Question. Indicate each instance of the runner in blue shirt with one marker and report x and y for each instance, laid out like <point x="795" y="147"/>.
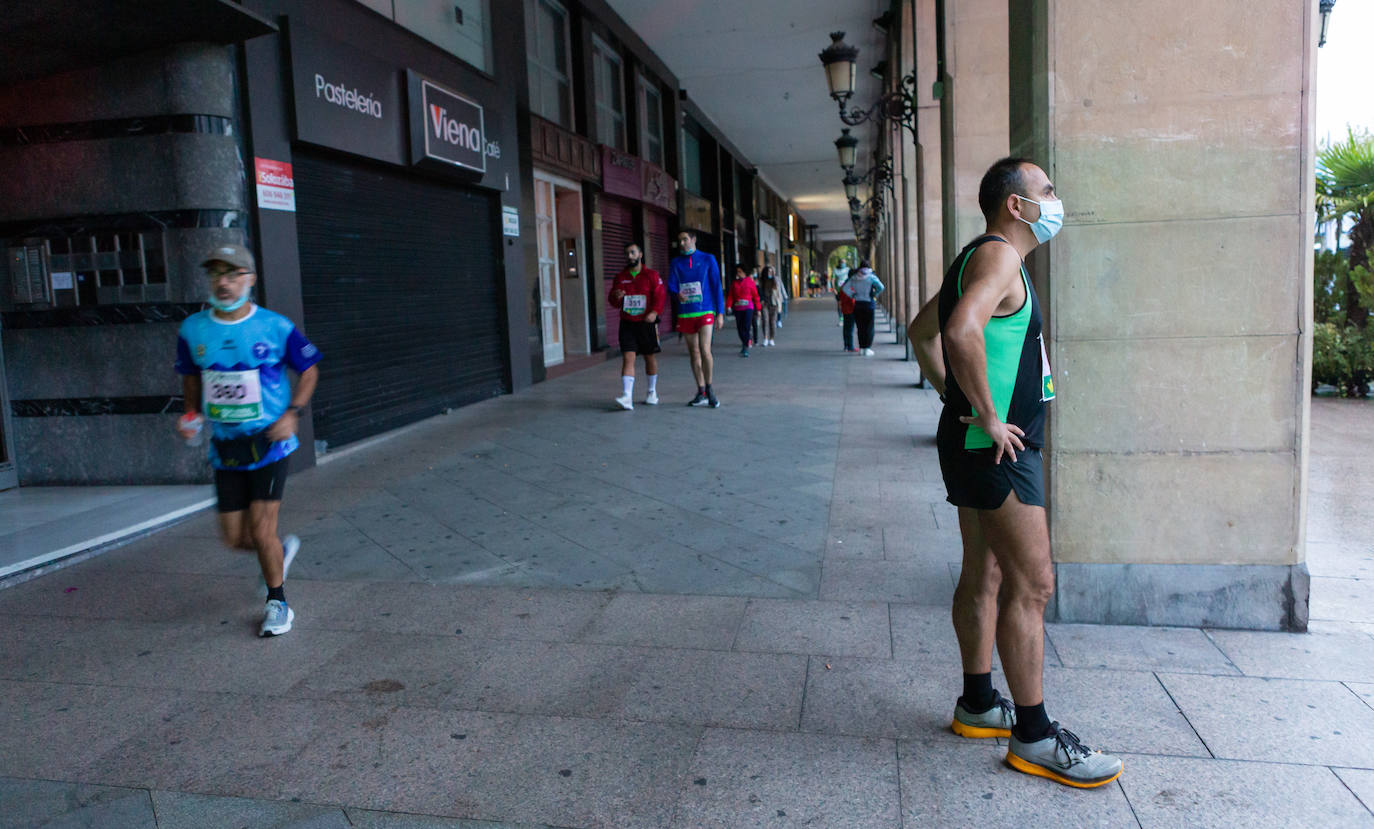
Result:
<point x="232" y="360"/>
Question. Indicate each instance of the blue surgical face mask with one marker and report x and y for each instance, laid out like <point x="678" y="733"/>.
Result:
<point x="231" y="306"/>
<point x="1050" y="221"/>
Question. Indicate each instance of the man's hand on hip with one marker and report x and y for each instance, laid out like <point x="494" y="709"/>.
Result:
<point x="1006" y="437"/>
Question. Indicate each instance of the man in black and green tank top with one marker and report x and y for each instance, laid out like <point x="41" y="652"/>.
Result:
<point x="979" y="342"/>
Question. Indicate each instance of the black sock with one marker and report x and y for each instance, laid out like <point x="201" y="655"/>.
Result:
<point x="701" y="389"/>
<point x="1032" y="723"/>
<point x="708" y="388"/>
<point x="278" y="593"/>
<point x="978" y="694"/>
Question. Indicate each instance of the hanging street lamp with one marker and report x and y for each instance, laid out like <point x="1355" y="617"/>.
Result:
<point x="840" y="60"/>
<point x="848" y="148"/>
<point x="1326" y="7"/>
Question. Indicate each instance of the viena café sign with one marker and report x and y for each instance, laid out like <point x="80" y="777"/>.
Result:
<point x="446" y="128"/>
<point x="349" y="100"/>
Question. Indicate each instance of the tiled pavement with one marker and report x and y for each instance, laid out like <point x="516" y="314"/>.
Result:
<point x="540" y="612"/>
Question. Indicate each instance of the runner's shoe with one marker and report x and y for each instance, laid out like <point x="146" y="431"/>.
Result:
<point x="625" y="403"/>
<point x="652" y="399"/>
<point x="699" y="400"/>
<point x="712" y="401"/>
<point x="997" y="721"/>
<point x="277" y="619"/>
<point x="1062" y="758"/>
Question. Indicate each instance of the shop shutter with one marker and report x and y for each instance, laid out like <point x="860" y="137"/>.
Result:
<point x="617" y="231"/>
<point x="402" y="294"/>
<point x="660" y="256"/>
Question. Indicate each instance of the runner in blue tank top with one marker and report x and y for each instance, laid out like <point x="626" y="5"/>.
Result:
<point x="233" y="360"/>
<point x="979" y="344"/>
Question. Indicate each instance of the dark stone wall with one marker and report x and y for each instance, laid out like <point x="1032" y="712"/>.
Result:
<point x="100" y="182"/>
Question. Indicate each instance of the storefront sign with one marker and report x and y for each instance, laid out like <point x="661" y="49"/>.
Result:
<point x="621" y="174"/>
<point x="510" y="221"/>
<point x="276" y="187"/>
<point x="345" y="98"/>
<point x="660" y="189"/>
<point x="446" y="127"/>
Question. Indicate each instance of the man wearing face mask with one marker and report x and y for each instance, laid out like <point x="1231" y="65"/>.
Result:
<point x="995" y="380"/>
<point x="640" y="295"/>
<point x="699" y="306"/>
<point x="232" y="360"/>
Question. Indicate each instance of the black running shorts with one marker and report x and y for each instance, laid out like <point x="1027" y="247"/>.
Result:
<point x="974" y="481"/>
<point x="237" y="489"/>
<point x="639" y="337"/>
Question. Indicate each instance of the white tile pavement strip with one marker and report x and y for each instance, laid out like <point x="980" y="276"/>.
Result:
<point x="539" y="612"/>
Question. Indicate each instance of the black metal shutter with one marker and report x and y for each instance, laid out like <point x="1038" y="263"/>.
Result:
<point x="402" y="294"/>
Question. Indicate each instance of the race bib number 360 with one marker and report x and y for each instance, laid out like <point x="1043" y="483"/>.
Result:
<point x="232" y="396"/>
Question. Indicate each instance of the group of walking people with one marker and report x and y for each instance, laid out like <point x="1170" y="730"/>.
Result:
<point x="857" y="297"/>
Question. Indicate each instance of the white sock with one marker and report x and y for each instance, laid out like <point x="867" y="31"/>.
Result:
<point x="628" y="383"/>
<point x="653" y="384"/>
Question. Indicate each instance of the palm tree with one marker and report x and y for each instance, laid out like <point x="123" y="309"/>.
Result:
<point x="1345" y="187"/>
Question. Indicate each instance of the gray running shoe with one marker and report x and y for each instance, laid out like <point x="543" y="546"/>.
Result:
<point x="1061" y="757"/>
<point x="277" y="619"/>
<point x="997" y="721"/>
<point x="699" y="400"/>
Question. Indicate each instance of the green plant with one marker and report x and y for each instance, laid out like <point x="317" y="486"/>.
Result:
<point x="1343" y="289"/>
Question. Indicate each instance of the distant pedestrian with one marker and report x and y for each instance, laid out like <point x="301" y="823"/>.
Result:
<point x="743" y="299"/>
<point x="863" y="286"/>
<point x="846" y="305"/>
<point x="771" y="293"/>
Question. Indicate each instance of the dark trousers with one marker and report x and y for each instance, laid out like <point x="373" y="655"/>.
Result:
<point x="744" y="322"/>
<point x="848" y="332"/>
<point x="863" y="319"/>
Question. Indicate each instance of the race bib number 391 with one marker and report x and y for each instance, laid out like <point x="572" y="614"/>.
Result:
<point x="232" y="396"/>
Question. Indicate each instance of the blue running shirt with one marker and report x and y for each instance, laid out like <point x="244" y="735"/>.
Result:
<point x="244" y="385"/>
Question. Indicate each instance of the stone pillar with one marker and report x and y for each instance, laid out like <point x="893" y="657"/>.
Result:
<point x="929" y="197"/>
<point x="1178" y="302"/>
<point x="975" y="96"/>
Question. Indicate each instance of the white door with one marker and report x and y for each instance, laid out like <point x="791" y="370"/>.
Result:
<point x="547" y="234"/>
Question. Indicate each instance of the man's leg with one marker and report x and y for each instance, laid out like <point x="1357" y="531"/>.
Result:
<point x="975" y="597"/>
<point x="694" y="356"/>
<point x="1019" y="537"/>
<point x="262" y="521"/>
<point x="651" y="372"/>
<point x="627" y="364"/>
<point x="704" y="348"/>
<point x="235" y="530"/>
<point x="627" y="379"/>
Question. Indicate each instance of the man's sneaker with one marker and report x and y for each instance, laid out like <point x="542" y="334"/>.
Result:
<point x="868" y="352"/>
<point x="699" y="400"/>
<point x="1062" y="758"/>
<point x="652" y="399"/>
<point x="997" y="721"/>
<point x="712" y="401"/>
<point x="625" y="402"/>
<point x="744" y="352"/>
<point x="277" y="619"/>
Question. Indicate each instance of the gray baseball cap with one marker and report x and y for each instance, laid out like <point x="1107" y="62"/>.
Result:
<point x="235" y="255"/>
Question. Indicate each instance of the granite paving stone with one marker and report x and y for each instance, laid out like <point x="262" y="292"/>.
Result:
<point x="967" y="783"/>
<point x="1321" y="653"/>
<point x="1361" y="784"/>
<point x="47" y="803"/>
<point x="736" y="690"/>
<point x="1284" y="720"/>
<point x="877" y="580"/>
<point x="585" y="773"/>
<point x="1119" y="711"/>
<point x="1363" y="690"/>
<point x="811" y="627"/>
<point x="401" y="669"/>
<point x="1179" y="650"/>
<point x="178" y="810"/>
<point x="1178" y="791"/>
<point x="709" y="622"/>
<point x="882" y="698"/>
<point x="758" y="778"/>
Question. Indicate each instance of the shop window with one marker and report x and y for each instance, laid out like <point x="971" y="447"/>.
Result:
<point x="460" y="27"/>
<point x="691" y="162"/>
<point x="650" y="121"/>
<point x="609" y="82"/>
<point x="547" y="49"/>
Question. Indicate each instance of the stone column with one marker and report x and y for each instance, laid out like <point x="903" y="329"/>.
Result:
<point x="1179" y="136"/>
<point x="976" y="96"/>
<point x="927" y="163"/>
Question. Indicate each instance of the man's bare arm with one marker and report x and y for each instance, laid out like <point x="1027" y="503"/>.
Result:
<point x="924" y="334"/>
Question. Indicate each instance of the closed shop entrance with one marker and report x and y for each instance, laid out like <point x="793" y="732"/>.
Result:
<point x="402" y="293"/>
